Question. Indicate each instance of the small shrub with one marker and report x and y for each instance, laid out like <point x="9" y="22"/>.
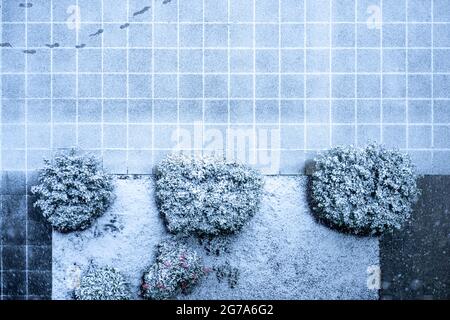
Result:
<point x="215" y="245"/>
<point x="177" y="270"/>
<point x="364" y="191"/>
<point x="102" y="283"/>
<point x="73" y="190"/>
<point x="229" y="273"/>
<point x="206" y="196"/>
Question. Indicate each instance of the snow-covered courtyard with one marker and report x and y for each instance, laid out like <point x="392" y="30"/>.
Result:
<point x="283" y="253"/>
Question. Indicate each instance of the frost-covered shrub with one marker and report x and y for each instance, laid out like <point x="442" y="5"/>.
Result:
<point x="206" y="195"/>
<point x="364" y="191"/>
<point x="177" y="270"/>
<point x="73" y="190"/>
<point x="102" y="283"/>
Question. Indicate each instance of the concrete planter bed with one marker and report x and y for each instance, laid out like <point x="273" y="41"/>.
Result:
<point x="256" y="234"/>
<point x="283" y="253"/>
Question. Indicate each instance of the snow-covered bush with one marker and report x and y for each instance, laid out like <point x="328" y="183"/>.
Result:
<point x="206" y="195"/>
<point x="102" y="283"/>
<point x="73" y="190"/>
<point x="177" y="270"/>
<point x="364" y="191"/>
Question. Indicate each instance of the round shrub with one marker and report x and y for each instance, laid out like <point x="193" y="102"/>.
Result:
<point x="206" y="195"/>
<point x="73" y="190"/>
<point x="102" y="283"/>
<point x="364" y="191"/>
<point x="177" y="270"/>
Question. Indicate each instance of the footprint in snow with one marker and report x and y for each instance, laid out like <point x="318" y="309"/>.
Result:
<point x="51" y="46"/>
<point x="99" y="31"/>
<point x="25" y="5"/>
<point x="142" y="11"/>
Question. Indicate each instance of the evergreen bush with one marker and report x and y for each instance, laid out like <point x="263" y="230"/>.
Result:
<point x="73" y="190"/>
<point x="364" y="191"/>
<point x="206" y="195"/>
<point x="102" y="283"/>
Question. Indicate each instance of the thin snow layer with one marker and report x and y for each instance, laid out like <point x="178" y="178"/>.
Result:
<point x="124" y="238"/>
<point x="283" y="253"/>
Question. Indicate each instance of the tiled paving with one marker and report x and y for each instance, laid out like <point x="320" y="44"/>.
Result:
<point x="270" y="81"/>
<point x="290" y="76"/>
<point x="415" y="261"/>
<point x="25" y="242"/>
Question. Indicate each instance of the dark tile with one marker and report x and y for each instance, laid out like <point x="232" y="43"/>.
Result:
<point x="40" y="258"/>
<point x="44" y="297"/>
<point x="14" y="207"/>
<point x="1" y="218"/>
<point x="13" y="182"/>
<point x="414" y="260"/>
<point x="441" y="193"/>
<point x="32" y="180"/>
<point x="40" y="283"/>
<point x="14" y="258"/>
<point x="13" y="231"/>
<point x="34" y="214"/>
<point x="14" y="283"/>
<point x="426" y="196"/>
<point x="13" y="298"/>
<point x="39" y="233"/>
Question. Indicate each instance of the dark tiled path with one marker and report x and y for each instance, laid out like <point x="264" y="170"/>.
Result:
<point x="25" y="244"/>
<point x="415" y="262"/>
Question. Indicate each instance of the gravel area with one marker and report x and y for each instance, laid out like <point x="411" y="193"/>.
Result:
<point x="283" y="253"/>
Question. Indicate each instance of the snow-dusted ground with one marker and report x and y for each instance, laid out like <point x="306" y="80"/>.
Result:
<point x="283" y="253"/>
<point x="124" y="237"/>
